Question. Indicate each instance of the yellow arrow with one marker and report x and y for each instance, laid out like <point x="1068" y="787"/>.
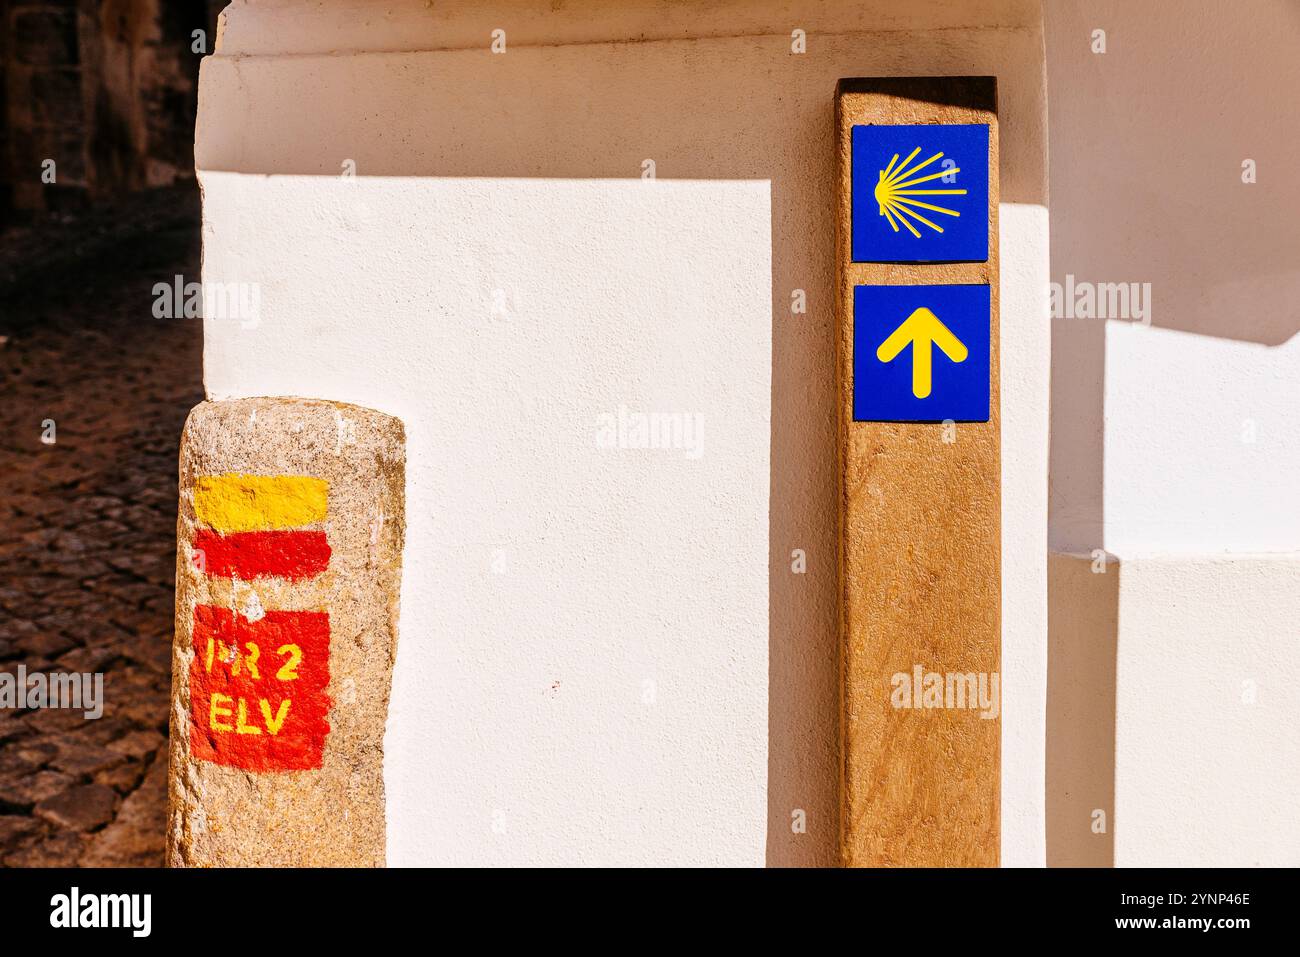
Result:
<point x="921" y="329"/>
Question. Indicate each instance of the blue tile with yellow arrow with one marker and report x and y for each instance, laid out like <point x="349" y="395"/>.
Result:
<point x="921" y="353"/>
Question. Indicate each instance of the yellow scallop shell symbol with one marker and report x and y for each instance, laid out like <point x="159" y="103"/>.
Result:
<point x="893" y="193"/>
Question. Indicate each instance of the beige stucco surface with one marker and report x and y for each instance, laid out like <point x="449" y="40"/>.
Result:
<point x="1173" y="435"/>
<point x="1171" y="712"/>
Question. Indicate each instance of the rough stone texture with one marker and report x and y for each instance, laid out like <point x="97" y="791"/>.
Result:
<point x="15" y="828"/>
<point x="61" y="849"/>
<point x="137" y="836"/>
<point x="87" y="525"/>
<point x="83" y="808"/>
<point x="27" y="788"/>
<point x="331" y="815"/>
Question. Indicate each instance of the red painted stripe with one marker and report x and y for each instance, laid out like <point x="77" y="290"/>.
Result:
<point x="257" y="689"/>
<point x="247" y="555"/>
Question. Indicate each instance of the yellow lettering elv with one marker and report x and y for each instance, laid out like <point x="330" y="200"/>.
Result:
<point x="274" y="725"/>
<point x="242" y="726"/>
<point x="219" y="710"/>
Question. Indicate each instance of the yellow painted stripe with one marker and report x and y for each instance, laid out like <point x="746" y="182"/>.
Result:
<point x="250" y="503"/>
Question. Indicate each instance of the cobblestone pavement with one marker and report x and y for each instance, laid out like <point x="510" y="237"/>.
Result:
<point x="87" y="524"/>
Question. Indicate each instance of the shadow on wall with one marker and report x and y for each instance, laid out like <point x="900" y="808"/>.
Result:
<point x="1153" y="145"/>
<point x="1150" y="143"/>
<point x="1082" y="631"/>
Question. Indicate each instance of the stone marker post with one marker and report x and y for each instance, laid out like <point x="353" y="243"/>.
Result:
<point x="289" y="551"/>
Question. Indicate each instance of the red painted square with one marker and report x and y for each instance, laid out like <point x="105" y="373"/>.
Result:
<point x="257" y="689"/>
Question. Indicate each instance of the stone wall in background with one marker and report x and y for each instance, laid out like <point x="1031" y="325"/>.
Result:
<point x="106" y="89"/>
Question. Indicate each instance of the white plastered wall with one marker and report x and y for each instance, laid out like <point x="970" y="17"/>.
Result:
<point x="1176" y="441"/>
<point x="497" y="274"/>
